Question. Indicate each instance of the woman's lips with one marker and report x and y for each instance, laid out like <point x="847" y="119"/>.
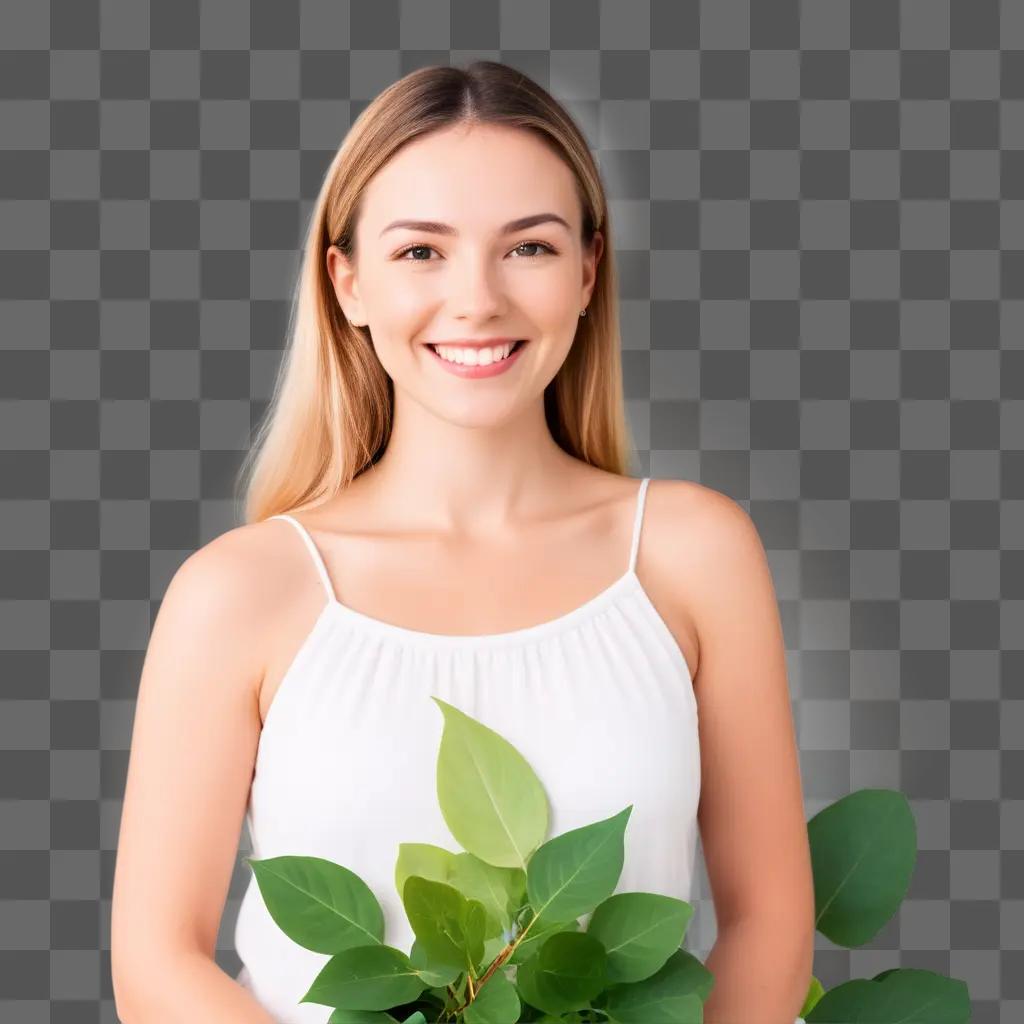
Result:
<point x="478" y="371"/>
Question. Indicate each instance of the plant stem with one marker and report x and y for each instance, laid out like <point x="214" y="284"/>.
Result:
<point x="500" y="959"/>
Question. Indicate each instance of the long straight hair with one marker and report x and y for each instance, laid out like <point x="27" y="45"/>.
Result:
<point x="330" y="414"/>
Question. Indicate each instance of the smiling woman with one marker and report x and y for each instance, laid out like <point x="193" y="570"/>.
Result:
<point x="438" y="506"/>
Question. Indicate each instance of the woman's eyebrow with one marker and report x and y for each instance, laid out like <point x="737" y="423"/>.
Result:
<point x="434" y="227"/>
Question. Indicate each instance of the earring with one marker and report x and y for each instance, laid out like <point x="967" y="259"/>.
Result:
<point x="583" y="312"/>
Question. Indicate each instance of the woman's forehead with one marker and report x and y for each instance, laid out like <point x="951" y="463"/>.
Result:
<point x="472" y="182"/>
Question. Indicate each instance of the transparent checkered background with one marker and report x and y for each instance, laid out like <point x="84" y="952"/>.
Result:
<point x="820" y="230"/>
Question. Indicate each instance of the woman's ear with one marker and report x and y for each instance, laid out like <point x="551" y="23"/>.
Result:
<point x="591" y="258"/>
<point x="342" y="272"/>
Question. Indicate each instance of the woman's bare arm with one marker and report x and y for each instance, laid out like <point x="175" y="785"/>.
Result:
<point x="193" y="747"/>
<point x="751" y="815"/>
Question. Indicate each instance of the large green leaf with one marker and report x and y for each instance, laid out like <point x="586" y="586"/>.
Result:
<point x="903" y="995"/>
<point x="319" y="904"/>
<point x="490" y="797"/>
<point x="573" y="872"/>
<point x="673" y="995"/>
<point x="495" y="1003"/>
<point x="863" y="849"/>
<point x="567" y="972"/>
<point x="366" y="978"/>
<point x="639" y="931"/>
<point x="449" y="928"/>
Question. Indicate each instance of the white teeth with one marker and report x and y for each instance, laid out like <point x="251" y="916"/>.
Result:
<point x="474" y="356"/>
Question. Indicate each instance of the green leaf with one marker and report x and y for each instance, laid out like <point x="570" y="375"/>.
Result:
<point x="360" y="1017"/>
<point x="814" y="992"/>
<point x="567" y="972"/>
<point x="366" y="978"/>
<point x="904" y="996"/>
<point x="538" y="935"/>
<point x="673" y="995"/>
<point x="495" y="1003"/>
<point x="863" y="849"/>
<point x="448" y="926"/>
<point x="639" y="931"/>
<point x="490" y="798"/>
<point x="573" y="872"/>
<point x="475" y="924"/>
<point x="423" y="859"/>
<point x="319" y="904"/>
<point x="500" y="890"/>
<point x="437" y="976"/>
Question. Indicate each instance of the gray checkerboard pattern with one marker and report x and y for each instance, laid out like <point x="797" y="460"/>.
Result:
<point x="820" y="216"/>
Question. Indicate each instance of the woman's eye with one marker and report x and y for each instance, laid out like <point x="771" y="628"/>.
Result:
<point x="429" y="248"/>
<point x="535" y="245"/>
<point x="413" y="248"/>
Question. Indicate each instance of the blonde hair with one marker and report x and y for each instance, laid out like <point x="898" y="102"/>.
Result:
<point x="330" y="414"/>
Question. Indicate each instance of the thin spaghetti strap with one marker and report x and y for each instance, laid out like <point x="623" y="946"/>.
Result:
<point x="317" y="559"/>
<point x="638" y="522"/>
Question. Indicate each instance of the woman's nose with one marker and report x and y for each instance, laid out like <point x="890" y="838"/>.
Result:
<point x="477" y="287"/>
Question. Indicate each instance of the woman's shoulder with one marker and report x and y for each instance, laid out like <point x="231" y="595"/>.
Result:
<point x="698" y="531"/>
<point x="690" y="526"/>
<point x="704" y="539"/>
<point x="238" y="561"/>
<point x="686" y="502"/>
<point x="240" y="579"/>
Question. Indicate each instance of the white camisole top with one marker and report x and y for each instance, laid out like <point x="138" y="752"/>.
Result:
<point x="599" y="701"/>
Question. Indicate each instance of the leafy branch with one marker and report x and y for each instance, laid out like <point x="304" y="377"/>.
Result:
<point x="628" y="964"/>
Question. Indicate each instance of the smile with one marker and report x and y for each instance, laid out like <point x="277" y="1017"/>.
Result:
<point x="472" y="369"/>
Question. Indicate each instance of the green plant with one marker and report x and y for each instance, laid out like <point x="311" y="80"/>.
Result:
<point x="498" y="939"/>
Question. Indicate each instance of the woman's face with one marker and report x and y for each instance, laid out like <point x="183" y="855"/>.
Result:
<point x="474" y="279"/>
